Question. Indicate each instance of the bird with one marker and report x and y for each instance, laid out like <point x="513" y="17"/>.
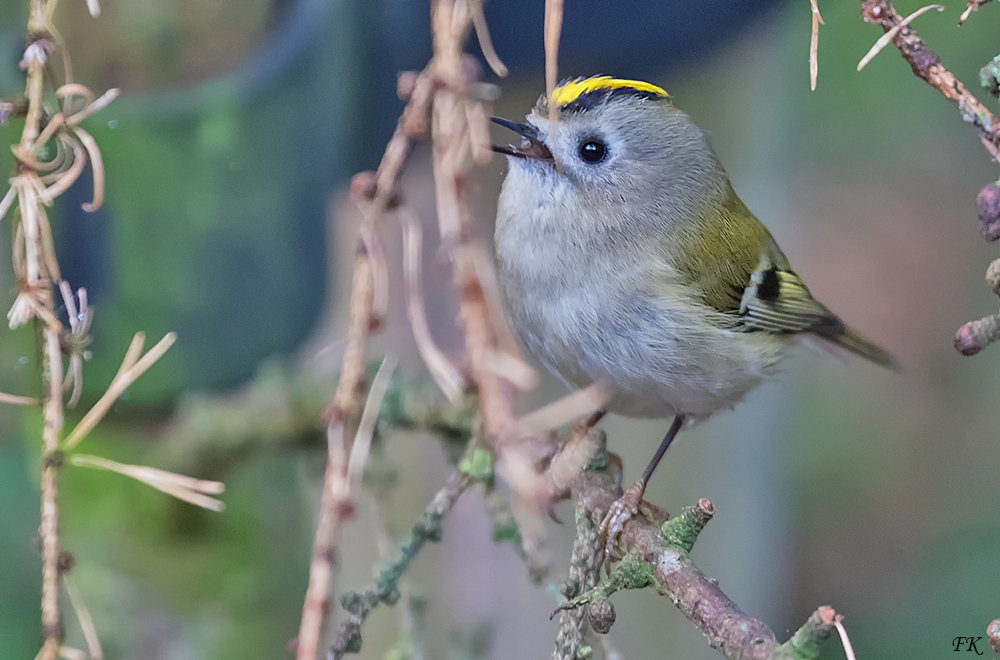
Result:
<point x="626" y="257"/>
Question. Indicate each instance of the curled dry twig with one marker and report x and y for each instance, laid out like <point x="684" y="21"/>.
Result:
<point x="36" y="184"/>
<point x="444" y="373"/>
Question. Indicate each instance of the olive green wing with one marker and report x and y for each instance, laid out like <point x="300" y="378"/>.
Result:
<point x="750" y="279"/>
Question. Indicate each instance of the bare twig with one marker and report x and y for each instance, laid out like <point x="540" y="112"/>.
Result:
<point x="374" y="194"/>
<point x="86" y="622"/>
<point x="17" y="399"/>
<point x="336" y="485"/>
<point x="927" y="66"/>
<point x="817" y="20"/>
<point x="445" y="374"/>
<point x="366" y="427"/>
<point x="189" y="489"/>
<point x="891" y="34"/>
<point x="571" y="407"/>
<point x="844" y="639"/>
<point x="553" y="29"/>
<point x="485" y="43"/>
<point x="132" y="367"/>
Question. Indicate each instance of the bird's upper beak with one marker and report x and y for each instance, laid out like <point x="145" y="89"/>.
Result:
<point x="531" y="147"/>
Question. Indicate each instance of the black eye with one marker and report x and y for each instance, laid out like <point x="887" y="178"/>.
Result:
<point x="593" y="151"/>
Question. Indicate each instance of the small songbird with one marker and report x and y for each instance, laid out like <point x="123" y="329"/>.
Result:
<point x="626" y="257"/>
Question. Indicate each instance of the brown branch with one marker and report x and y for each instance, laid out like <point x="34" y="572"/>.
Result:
<point x="927" y="66"/>
<point x="52" y="403"/>
<point x="657" y="556"/>
<point x="453" y="105"/>
<point x="974" y="336"/>
<point x="374" y="193"/>
<point x="336" y="485"/>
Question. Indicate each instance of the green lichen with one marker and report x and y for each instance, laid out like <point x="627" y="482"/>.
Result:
<point x="682" y="531"/>
<point x="988" y="76"/>
<point x="632" y="572"/>
<point x="478" y="464"/>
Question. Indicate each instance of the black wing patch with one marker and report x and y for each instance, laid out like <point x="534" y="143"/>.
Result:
<point x="778" y="301"/>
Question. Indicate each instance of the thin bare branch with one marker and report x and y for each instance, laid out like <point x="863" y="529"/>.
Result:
<point x="844" y="639"/>
<point x="445" y="374"/>
<point x="512" y="368"/>
<point x="96" y="166"/>
<point x="817" y="20"/>
<point x="83" y="616"/>
<point x="130" y="370"/>
<point x="553" y="29"/>
<point x="567" y="409"/>
<point x="18" y="400"/>
<point x="366" y="427"/>
<point x="8" y="200"/>
<point x="189" y="489"/>
<point x="884" y="40"/>
<point x="485" y="43"/>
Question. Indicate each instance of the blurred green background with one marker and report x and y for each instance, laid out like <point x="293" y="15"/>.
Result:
<point x="227" y="159"/>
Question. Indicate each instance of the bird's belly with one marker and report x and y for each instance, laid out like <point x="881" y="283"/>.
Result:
<point x="660" y="358"/>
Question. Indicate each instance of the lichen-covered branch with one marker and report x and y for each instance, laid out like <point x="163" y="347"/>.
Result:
<point x="386" y="587"/>
<point x="658" y="556"/>
<point x="584" y="574"/>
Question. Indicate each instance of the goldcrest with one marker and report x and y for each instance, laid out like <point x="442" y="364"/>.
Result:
<point x="626" y="257"/>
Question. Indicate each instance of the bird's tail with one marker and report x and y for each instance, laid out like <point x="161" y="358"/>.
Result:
<point x="849" y="339"/>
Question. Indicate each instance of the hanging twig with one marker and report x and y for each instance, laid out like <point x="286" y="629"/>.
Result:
<point x="817" y="20"/>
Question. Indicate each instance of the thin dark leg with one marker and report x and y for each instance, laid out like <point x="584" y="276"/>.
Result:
<point x="667" y="439"/>
<point x="628" y="504"/>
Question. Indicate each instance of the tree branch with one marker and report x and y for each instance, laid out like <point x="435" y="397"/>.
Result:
<point x="974" y="336"/>
<point x="927" y="66"/>
<point x="386" y="587"/>
<point x="657" y="556"/>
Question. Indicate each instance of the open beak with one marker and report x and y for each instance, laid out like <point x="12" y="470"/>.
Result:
<point x="531" y="147"/>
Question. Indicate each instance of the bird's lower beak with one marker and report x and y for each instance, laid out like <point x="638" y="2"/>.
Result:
<point x="531" y="147"/>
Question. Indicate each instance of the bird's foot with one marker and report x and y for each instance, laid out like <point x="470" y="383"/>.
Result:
<point x="619" y="513"/>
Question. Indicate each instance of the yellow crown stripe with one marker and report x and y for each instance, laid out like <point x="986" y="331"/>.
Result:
<point x="571" y="91"/>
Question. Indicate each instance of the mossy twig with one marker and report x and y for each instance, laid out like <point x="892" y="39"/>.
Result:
<point x="386" y="587"/>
